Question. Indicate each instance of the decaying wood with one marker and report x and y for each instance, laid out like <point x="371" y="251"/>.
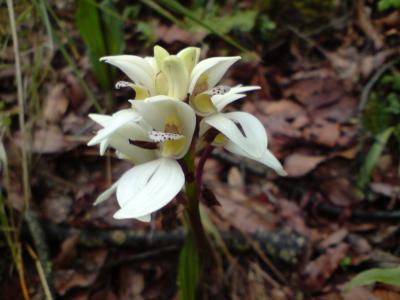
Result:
<point x="281" y="245"/>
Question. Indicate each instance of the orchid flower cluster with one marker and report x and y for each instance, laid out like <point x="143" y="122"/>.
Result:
<point x="178" y="109"/>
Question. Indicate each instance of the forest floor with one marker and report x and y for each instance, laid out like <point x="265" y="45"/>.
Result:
<point x="327" y="103"/>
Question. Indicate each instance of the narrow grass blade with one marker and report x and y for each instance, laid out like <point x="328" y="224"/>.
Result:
<point x="188" y="270"/>
<point x="372" y="157"/>
<point x="389" y="276"/>
<point x="179" y="8"/>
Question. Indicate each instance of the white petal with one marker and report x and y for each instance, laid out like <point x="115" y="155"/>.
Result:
<point x="103" y="146"/>
<point x="118" y="120"/>
<point x="152" y="62"/>
<point x="155" y="110"/>
<point x="214" y="68"/>
<point x="235" y="93"/>
<point x="267" y="158"/>
<point x="106" y="194"/>
<point x="254" y="142"/>
<point x="220" y="101"/>
<point x="145" y="218"/>
<point x="135" y="67"/>
<point x="103" y="120"/>
<point x="148" y="187"/>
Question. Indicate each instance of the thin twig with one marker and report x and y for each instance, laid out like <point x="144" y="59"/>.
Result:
<point x="21" y="106"/>
<point x="20" y="96"/>
<point x="41" y="273"/>
<point x="370" y="84"/>
<point x="34" y="226"/>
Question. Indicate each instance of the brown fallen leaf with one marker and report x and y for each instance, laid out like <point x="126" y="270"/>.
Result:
<point x="65" y="280"/>
<point x="284" y="108"/>
<point x="56" y="103"/>
<point x="49" y="140"/>
<point x="365" y="23"/>
<point x="320" y="269"/>
<point x="130" y="284"/>
<point x="385" y="189"/>
<point x="235" y="178"/>
<point x="323" y="132"/>
<point x="360" y="293"/>
<point x="56" y="206"/>
<point x="386" y="294"/>
<point x="297" y="164"/>
<point x="291" y="215"/>
<point x="239" y="212"/>
<point x="171" y="34"/>
<point x="340" y="191"/>
<point x="68" y="252"/>
<point x="334" y="239"/>
<point x="316" y="92"/>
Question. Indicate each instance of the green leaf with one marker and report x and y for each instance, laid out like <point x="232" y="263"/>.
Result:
<point x="113" y="29"/>
<point x="181" y="9"/>
<point x="241" y="20"/>
<point x="372" y="157"/>
<point x="102" y="35"/>
<point x="394" y="104"/>
<point x="389" y="276"/>
<point x="388" y="4"/>
<point x="376" y="117"/>
<point x="188" y="270"/>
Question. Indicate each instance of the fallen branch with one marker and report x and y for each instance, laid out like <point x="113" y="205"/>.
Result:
<point x="281" y="245"/>
<point x="333" y="211"/>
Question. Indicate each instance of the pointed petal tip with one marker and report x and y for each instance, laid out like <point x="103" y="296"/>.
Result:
<point x="90" y="143"/>
<point x="281" y="172"/>
<point x="119" y="215"/>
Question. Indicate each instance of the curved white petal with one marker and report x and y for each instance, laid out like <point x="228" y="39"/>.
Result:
<point x="148" y="187"/>
<point x="213" y="68"/>
<point x="267" y="158"/>
<point x="100" y="119"/>
<point x="106" y="194"/>
<point x="145" y="218"/>
<point x="253" y="141"/>
<point x="118" y="120"/>
<point x="136" y="68"/>
<point x="155" y="110"/>
<point x="235" y="93"/>
<point x="152" y="62"/>
<point x="103" y="146"/>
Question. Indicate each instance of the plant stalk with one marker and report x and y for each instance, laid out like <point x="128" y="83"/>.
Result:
<point x="193" y="213"/>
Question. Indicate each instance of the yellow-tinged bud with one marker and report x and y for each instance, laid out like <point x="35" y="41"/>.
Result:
<point x="190" y="57"/>
<point x="177" y="76"/>
<point x="161" y="84"/>
<point x="160" y="54"/>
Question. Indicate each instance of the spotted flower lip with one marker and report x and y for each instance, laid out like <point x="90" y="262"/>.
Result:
<point x="156" y="177"/>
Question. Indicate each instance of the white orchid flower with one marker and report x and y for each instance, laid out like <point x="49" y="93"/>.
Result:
<point x="177" y="76"/>
<point x="239" y="132"/>
<point x="167" y="126"/>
